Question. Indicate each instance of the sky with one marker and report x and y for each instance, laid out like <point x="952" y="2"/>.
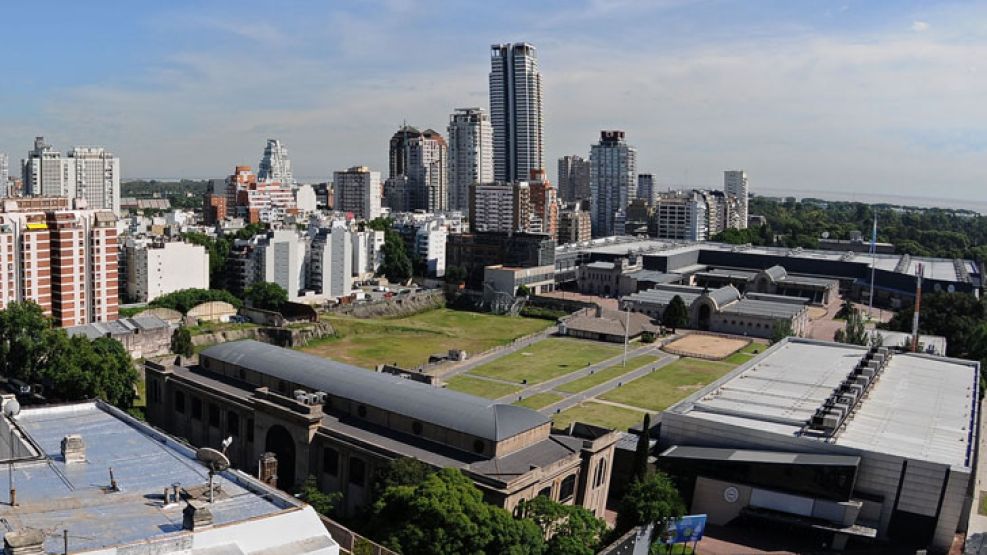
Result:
<point x="845" y="96"/>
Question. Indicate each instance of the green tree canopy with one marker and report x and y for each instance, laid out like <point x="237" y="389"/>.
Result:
<point x="853" y="332"/>
<point x="455" y="275"/>
<point x="780" y="330"/>
<point x="266" y="295"/>
<point x="676" y="314"/>
<point x="181" y="342"/>
<point x="25" y="340"/>
<point x="445" y="515"/>
<point x="653" y="500"/>
<point x="571" y="529"/>
<point x="642" y="451"/>
<point x="184" y="300"/>
<point x="402" y="471"/>
<point x="323" y="503"/>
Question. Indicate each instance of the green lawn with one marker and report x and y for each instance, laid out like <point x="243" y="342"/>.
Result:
<point x="754" y="348"/>
<point x="669" y="384"/>
<point x="539" y="400"/>
<point x="481" y="388"/>
<point x="982" y="509"/>
<point x="547" y="359"/>
<point x="409" y="341"/>
<point x="599" y="414"/>
<point x="737" y="358"/>
<point x="605" y="375"/>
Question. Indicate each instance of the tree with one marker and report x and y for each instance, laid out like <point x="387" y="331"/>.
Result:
<point x="323" y="503"/>
<point x="445" y="514"/>
<point x="570" y="529"/>
<point x="780" y="330"/>
<point x="653" y="500"/>
<point x="402" y="471"/>
<point x="642" y="451"/>
<point x="81" y="368"/>
<point x="181" y="342"/>
<point x="455" y="275"/>
<point x="266" y="295"/>
<point x="676" y="314"/>
<point x="854" y="332"/>
<point x="25" y="334"/>
<point x="522" y="291"/>
<point x="396" y="265"/>
<point x="184" y="300"/>
<point x="955" y="316"/>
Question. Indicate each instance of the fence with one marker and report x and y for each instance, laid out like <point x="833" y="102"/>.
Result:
<point x="351" y="542"/>
<point x="694" y="354"/>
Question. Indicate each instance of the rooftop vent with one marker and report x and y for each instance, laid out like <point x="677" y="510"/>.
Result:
<point x="196" y="516"/>
<point x="27" y="541"/>
<point x="73" y="449"/>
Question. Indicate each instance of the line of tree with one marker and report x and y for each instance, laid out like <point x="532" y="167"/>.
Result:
<point x="185" y="194"/>
<point x="914" y="231"/>
<point x="70" y="368"/>
<point x="219" y="248"/>
<point x="266" y="295"/>
<point x="185" y="299"/>
<point x="396" y="266"/>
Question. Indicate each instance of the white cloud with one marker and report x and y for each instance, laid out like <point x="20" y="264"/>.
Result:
<point x="920" y="26"/>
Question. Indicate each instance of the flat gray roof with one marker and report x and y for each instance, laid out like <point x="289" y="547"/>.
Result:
<point x="921" y="406"/>
<point x="762" y="307"/>
<point x="469" y="414"/>
<point x="53" y="495"/>
<point x="754" y="456"/>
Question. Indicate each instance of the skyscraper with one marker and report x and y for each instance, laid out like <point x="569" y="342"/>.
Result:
<point x="357" y="190"/>
<point x="646" y="187"/>
<point x="613" y="174"/>
<point x="421" y="157"/>
<point x="4" y="175"/>
<point x="516" y="111"/>
<point x="735" y="184"/>
<point x="573" y="178"/>
<point x="470" y="154"/>
<point x="275" y="165"/>
<point x="45" y="172"/>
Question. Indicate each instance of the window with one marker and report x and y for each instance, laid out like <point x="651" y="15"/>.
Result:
<point x="180" y="402"/>
<point x="250" y="430"/>
<point x="568" y="488"/>
<point x="213" y="415"/>
<point x="545" y="492"/>
<point x="478" y="446"/>
<point x="233" y="424"/>
<point x="601" y="473"/>
<point x="358" y="471"/>
<point x="196" y="408"/>
<point x="330" y="461"/>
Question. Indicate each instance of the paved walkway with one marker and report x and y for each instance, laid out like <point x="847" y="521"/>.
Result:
<point x="447" y="371"/>
<point x="577" y="398"/>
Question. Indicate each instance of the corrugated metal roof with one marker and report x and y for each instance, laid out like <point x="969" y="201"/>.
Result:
<point x="754" y="456"/>
<point x="473" y="415"/>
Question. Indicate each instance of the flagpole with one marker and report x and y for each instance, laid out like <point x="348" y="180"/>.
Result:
<point x="873" y="266"/>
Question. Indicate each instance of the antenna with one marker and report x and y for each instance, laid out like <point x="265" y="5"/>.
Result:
<point x="215" y="461"/>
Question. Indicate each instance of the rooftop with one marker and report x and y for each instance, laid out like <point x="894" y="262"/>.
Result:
<point x="920" y="406"/>
<point x="54" y="495"/>
<point x="476" y="416"/>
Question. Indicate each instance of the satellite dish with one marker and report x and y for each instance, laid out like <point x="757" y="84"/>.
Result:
<point x="215" y="460"/>
<point x="12" y="408"/>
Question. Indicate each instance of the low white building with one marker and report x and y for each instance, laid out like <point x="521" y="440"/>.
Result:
<point x="279" y="257"/>
<point x="368" y="253"/>
<point x="330" y="262"/>
<point x="156" y="269"/>
<point x="430" y="246"/>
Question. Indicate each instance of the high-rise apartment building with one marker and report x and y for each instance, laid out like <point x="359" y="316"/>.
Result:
<point x="278" y="257"/>
<point x="330" y="270"/>
<point x="680" y="215"/>
<point x="256" y="200"/>
<point x="575" y="226"/>
<point x="275" y="164"/>
<point x="573" y="178"/>
<point x="516" y="111"/>
<point x="502" y="207"/>
<point x="89" y="173"/>
<point x="155" y="268"/>
<point x="64" y="260"/>
<point x="544" y="202"/>
<point x="421" y="156"/>
<point x="735" y="184"/>
<point x="357" y="190"/>
<point x="470" y="154"/>
<point x="646" y="187"/>
<point x="613" y="175"/>
<point x="4" y="176"/>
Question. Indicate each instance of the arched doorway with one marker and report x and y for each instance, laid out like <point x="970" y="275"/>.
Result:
<point x="704" y="314"/>
<point x="280" y="443"/>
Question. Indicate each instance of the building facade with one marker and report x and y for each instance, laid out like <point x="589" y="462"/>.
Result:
<point x="575" y="226"/>
<point x="156" y="269"/>
<point x="475" y="251"/>
<point x="544" y="202"/>
<point x="470" y="154"/>
<point x="613" y="177"/>
<point x="89" y="173"/>
<point x="680" y="215"/>
<point x="574" y="178"/>
<point x="428" y="171"/>
<point x="516" y="111"/>
<point x="343" y="424"/>
<point x="357" y="190"/>
<point x="501" y="207"/>
<point x="646" y="189"/>
<point x="4" y="175"/>
<point x="735" y="184"/>
<point x="275" y="164"/>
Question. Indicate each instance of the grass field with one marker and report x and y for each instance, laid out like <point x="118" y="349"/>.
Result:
<point x="409" y="341"/>
<point x="539" y="400"/>
<point x="605" y="375"/>
<point x="547" y="359"/>
<point x="745" y="354"/>
<point x="600" y="414"/>
<point x="481" y="388"/>
<point x="982" y="509"/>
<point x="669" y="384"/>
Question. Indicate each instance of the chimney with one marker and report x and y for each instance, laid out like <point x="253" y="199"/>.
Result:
<point x="73" y="449"/>
<point x="27" y="541"/>
<point x="196" y="516"/>
<point x="267" y="469"/>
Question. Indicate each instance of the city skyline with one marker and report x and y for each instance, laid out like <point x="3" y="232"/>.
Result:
<point x="807" y="98"/>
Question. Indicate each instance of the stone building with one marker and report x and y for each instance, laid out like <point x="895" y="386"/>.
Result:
<point x="342" y="424"/>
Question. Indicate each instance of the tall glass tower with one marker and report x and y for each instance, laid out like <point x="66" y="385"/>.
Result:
<point x="516" y="111"/>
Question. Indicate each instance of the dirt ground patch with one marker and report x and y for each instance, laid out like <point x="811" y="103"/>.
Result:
<point x="706" y="346"/>
<point x="817" y="312"/>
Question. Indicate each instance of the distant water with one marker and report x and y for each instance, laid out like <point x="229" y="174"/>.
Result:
<point x="871" y="198"/>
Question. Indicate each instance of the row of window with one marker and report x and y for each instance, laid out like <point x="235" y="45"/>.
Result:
<point x="330" y="466"/>
<point x="232" y="418"/>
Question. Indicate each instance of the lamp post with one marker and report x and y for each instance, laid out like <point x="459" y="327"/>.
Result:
<point x="11" y="409"/>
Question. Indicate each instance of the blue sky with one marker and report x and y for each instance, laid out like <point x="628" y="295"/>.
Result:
<point x="884" y="97"/>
